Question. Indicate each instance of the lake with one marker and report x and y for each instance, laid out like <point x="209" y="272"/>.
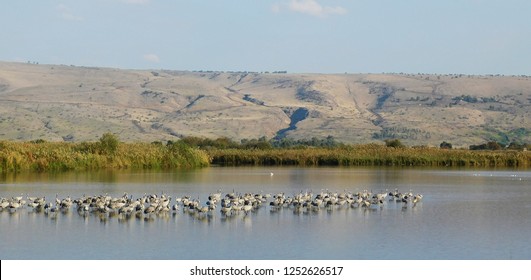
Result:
<point x="464" y="214"/>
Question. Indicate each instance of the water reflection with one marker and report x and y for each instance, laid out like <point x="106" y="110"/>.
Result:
<point x="470" y="214"/>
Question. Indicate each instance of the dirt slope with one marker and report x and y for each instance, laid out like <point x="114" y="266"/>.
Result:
<point x="67" y="103"/>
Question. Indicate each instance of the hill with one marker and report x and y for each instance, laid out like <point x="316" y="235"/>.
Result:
<point x="69" y="103"/>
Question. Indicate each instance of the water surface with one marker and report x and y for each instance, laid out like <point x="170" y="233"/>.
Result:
<point x="466" y="214"/>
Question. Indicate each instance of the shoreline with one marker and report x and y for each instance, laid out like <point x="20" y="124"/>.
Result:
<point x="90" y="156"/>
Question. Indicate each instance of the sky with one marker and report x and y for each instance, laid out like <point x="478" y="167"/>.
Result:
<point x="298" y="36"/>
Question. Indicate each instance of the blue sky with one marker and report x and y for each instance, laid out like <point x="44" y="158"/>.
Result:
<point x="299" y="36"/>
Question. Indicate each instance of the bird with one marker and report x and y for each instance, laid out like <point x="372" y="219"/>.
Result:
<point x="231" y="204"/>
<point x="247" y="208"/>
<point x="226" y="210"/>
<point x="417" y="198"/>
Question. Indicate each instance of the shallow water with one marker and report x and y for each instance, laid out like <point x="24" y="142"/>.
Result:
<point x="466" y="214"/>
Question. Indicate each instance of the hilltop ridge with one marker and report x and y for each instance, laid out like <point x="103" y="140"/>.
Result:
<point x="69" y="103"/>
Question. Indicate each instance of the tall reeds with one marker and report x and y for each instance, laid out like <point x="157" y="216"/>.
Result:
<point x="49" y="156"/>
<point x="370" y="155"/>
<point x="27" y="156"/>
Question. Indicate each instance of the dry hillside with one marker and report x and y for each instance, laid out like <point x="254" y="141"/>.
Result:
<point x="67" y="103"/>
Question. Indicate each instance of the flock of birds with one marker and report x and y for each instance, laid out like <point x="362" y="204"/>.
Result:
<point x="230" y="204"/>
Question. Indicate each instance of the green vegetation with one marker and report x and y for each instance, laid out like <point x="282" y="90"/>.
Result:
<point x="508" y="137"/>
<point x="473" y="99"/>
<point x="260" y="143"/>
<point x="394" y="143"/>
<point x="109" y="143"/>
<point x="371" y="155"/>
<point x="329" y="152"/>
<point x="109" y="152"/>
<point x="401" y="133"/>
<point x="445" y="145"/>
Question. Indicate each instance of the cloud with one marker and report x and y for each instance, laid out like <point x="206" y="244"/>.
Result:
<point x="151" y="58"/>
<point x="66" y="13"/>
<point x="312" y="8"/>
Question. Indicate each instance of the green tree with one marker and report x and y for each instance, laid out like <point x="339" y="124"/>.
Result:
<point x="394" y="143"/>
<point x="108" y="143"/>
<point x="445" y="145"/>
<point x="516" y="146"/>
<point x="493" y="145"/>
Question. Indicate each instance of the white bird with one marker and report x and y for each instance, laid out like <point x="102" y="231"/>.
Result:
<point x="4" y="204"/>
<point x="417" y="198"/>
<point x="149" y="210"/>
<point x="226" y="210"/>
<point x="247" y="208"/>
<point x="204" y="209"/>
<point x="14" y="205"/>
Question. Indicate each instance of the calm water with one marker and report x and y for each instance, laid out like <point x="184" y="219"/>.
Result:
<point x="464" y="215"/>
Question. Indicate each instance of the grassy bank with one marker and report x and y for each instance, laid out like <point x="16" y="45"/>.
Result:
<point x="44" y="156"/>
<point x="370" y="155"/>
<point x="109" y="153"/>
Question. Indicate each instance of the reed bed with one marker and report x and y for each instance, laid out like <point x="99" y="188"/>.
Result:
<point x="49" y="156"/>
<point x="370" y="155"/>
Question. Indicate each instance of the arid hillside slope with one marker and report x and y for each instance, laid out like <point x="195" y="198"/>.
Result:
<point x="68" y="103"/>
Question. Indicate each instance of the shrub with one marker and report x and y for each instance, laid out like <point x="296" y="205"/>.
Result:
<point x="108" y="143"/>
<point x="394" y="143"/>
<point x="445" y="145"/>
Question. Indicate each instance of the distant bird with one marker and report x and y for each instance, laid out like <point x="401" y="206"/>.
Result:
<point x="417" y="198"/>
<point x="233" y="203"/>
<point x="203" y="209"/>
<point x="247" y="208"/>
<point x="226" y="210"/>
<point x="149" y="210"/>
